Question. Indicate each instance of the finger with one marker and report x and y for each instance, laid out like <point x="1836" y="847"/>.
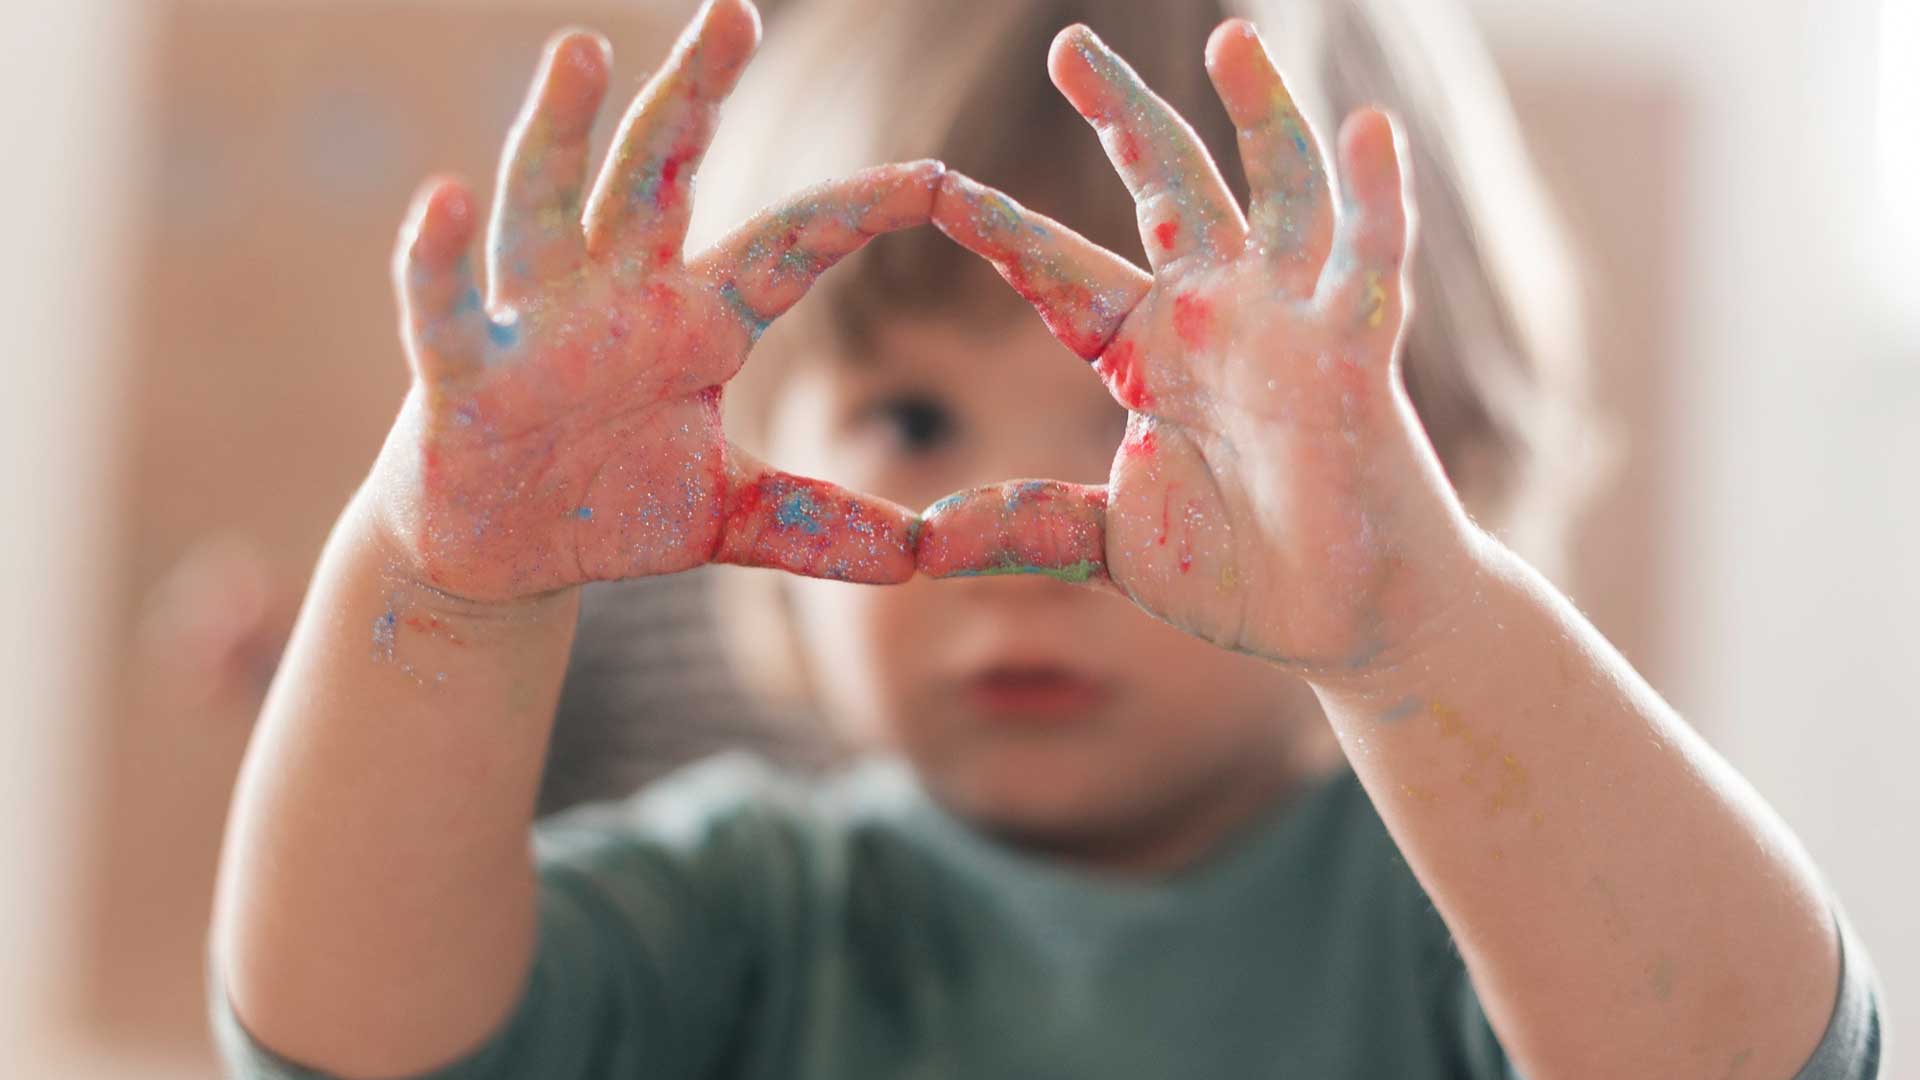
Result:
<point x="766" y="266"/>
<point x="1082" y="291"/>
<point x="1378" y="229"/>
<point x="1183" y="204"/>
<point x="442" y="321"/>
<point x="535" y="232"/>
<point x="1292" y="208"/>
<point x="1019" y="527"/>
<point x="785" y="522"/>
<point x="642" y="201"/>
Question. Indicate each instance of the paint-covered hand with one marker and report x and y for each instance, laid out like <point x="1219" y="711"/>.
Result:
<point x="565" y="427"/>
<point x="1274" y="491"/>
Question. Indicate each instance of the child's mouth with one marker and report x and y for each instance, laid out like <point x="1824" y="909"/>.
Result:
<point x="1033" y="693"/>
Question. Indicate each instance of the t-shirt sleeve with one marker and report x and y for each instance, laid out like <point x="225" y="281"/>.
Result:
<point x="649" y="933"/>
<point x="1850" y="1049"/>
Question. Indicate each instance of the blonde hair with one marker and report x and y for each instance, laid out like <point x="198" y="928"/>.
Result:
<point x="1493" y="364"/>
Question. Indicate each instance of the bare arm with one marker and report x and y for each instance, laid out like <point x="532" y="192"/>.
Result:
<point x="376" y="902"/>
<point x="376" y="899"/>
<point x="1624" y="901"/>
<point x="1625" y="904"/>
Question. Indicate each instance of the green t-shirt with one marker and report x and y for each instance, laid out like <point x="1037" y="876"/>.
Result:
<point x="731" y="922"/>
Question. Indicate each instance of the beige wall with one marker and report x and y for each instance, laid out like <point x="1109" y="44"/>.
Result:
<point x="64" y="72"/>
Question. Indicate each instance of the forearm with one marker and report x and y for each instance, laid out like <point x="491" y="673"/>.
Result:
<point x="375" y="914"/>
<point x="1624" y="901"/>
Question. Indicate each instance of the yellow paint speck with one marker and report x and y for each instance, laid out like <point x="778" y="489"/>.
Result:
<point x="1376" y="301"/>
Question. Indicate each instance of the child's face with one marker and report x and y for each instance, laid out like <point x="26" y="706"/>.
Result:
<point x="1052" y="711"/>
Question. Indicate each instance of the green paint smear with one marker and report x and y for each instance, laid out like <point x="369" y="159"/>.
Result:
<point x="1073" y="573"/>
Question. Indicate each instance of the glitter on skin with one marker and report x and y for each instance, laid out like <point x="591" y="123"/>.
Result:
<point x="609" y="395"/>
<point x="1141" y="113"/>
<point x="1023" y="492"/>
<point x="1125" y="375"/>
<point x="1192" y="319"/>
<point x="949" y="503"/>
<point x="1080" y="312"/>
<point x="384" y="626"/>
<point x="797" y="510"/>
<point x="751" y="319"/>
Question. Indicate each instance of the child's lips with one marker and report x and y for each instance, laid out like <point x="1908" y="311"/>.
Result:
<point x="1034" y="693"/>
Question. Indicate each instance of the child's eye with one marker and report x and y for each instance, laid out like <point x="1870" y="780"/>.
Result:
<point x="913" y="423"/>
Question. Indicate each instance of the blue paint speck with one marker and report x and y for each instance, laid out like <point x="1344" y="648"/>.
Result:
<point x="1406" y="707"/>
<point x="383" y="634"/>
<point x="755" y="323"/>
<point x="469" y="301"/>
<point x="585" y="513"/>
<point x="504" y="334"/>
<point x="944" y="505"/>
<point x="796" y="511"/>
<point x="1023" y="491"/>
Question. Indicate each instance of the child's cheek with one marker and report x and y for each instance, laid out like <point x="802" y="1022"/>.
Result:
<point x="866" y="650"/>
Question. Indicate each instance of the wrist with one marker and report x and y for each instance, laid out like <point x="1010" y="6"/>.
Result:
<point x="1436" y="597"/>
<point x="372" y="526"/>
<point x="1431" y="583"/>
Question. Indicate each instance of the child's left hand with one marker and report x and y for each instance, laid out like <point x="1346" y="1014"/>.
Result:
<point x="1275" y="493"/>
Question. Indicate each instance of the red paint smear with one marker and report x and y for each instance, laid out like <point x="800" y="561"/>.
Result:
<point x="664" y="254"/>
<point x="1166" y="522"/>
<point x="1165" y="232"/>
<point x="1144" y="445"/>
<point x="667" y="194"/>
<point x="617" y="327"/>
<point x="1120" y="367"/>
<point x="1186" y="540"/>
<point x="431" y="625"/>
<point x="1129" y="149"/>
<point x="742" y="504"/>
<point x="661" y="295"/>
<point x="1059" y="304"/>
<point x="1192" y="319"/>
<point x="752" y="508"/>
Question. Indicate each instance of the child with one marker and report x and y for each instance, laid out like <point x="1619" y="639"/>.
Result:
<point x="1118" y="847"/>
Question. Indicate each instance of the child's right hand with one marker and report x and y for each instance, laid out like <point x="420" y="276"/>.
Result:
<point x="568" y="429"/>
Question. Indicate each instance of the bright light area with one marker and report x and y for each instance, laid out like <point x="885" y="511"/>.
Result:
<point x="1899" y="121"/>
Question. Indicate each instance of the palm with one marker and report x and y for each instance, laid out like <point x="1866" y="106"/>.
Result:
<point x="1258" y="370"/>
<point x="569" y="429"/>
<point x="1238" y="492"/>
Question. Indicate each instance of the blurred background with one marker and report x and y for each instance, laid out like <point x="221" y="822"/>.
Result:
<point x="204" y="196"/>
